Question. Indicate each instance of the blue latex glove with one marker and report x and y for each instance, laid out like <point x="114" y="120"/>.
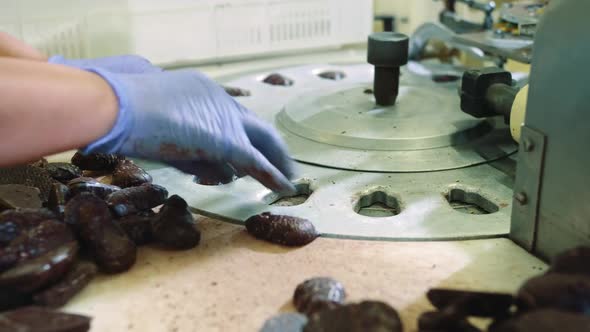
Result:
<point x="188" y="121"/>
<point x="130" y="64"/>
<point x="207" y="173"/>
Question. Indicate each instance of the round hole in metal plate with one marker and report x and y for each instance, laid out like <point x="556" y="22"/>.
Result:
<point x="469" y="202"/>
<point x="447" y="78"/>
<point x="335" y="75"/>
<point x="378" y="204"/>
<point x="303" y="192"/>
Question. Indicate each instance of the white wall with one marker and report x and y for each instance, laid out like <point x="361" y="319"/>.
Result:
<point x="185" y="30"/>
<point x="409" y="14"/>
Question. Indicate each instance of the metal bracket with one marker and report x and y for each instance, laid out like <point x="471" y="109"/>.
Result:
<point x="523" y="227"/>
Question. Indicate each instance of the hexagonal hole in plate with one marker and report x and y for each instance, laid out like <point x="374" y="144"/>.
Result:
<point x="469" y="202"/>
<point x="378" y="204"/>
<point x="303" y="192"/>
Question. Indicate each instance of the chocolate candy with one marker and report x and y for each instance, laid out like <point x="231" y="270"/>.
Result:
<point x="569" y="292"/>
<point x="278" y="79"/>
<point x="34" y="242"/>
<point x="174" y="227"/>
<point x="361" y="317"/>
<point x="41" y="271"/>
<point x="90" y="185"/>
<point x="317" y="294"/>
<point x="63" y="172"/>
<point x="36" y="319"/>
<point x="112" y="250"/>
<point x="237" y="92"/>
<point x="58" y="197"/>
<point x="334" y="75"/>
<point x="127" y="174"/>
<point x="14" y="222"/>
<point x="285" y="230"/>
<point x="548" y="320"/>
<point x="135" y="199"/>
<point x="469" y="303"/>
<point x="573" y="261"/>
<point x="96" y="161"/>
<point x="30" y="176"/>
<point x="138" y="226"/>
<point x="13" y="196"/>
<point x="72" y="282"/>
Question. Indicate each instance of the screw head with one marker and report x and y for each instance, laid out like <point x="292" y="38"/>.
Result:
<point x="521" y="198"/>
<point x="388" y="49"/>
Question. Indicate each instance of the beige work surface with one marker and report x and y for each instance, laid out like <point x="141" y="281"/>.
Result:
<point x="233" y="282"/>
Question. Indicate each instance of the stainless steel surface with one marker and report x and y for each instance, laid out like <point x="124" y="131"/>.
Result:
<point x="424" y="131"/>
<point x="425" y="212"/>
<point x="557" y="108"/>
<point x="339" y="126"/>
<point x="526" y="189"/>
<point x="502" y="45"/>
<point x="434" y="31"/>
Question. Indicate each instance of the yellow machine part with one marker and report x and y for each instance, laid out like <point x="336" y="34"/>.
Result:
<point x="518" y="112"/>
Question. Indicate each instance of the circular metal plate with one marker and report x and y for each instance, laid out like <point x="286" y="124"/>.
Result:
<point x="420" y="202"/>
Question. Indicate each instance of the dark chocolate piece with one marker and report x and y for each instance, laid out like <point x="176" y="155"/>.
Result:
<point x="58" y="197"/>
<point x="481" y="304"/>
<point x="29" y="176"/>
<point x="109" y="245"/>
<point x="11" y="299"/>
<point x="90" y="185"/>
<point x="63" y="172"/>
<point x="317" y="294"/>
<point x="335" y="75"/>
<point x="73" y="282"/>
<point x="174" y="226"/>
<point x="361" y="317"/>
<point x="237" y="92"/>
<point x="127" y="174"/>
<point x="285" y="230"/>
<point x="278" y="79"/>
<point x="444" y="321"/>
<point x="135" y="199"/>
<point x="96" y="161"/>
<point x="569" y="292"/>
<point x="14" y="222"/>
<point x="547" y="320"/>
<point x="39" y="163"/>
<point x="288" y="322"/>
<point x="573" y="261"/>
<point x="13" y="196"/>
<point x="138" y="227"/>
<point x="37" y="319"/>
<point x="41" y="271"/>
<point x="34" y="242"/>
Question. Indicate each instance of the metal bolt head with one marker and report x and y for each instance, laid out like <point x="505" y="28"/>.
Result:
<point x="388" y="49"/>
<point x="521" y="198"/>
<point x="528" y="145"/>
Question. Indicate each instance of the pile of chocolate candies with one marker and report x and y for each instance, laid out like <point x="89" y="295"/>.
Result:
<point x="558" y="300"/>
<point x="59" y="226"/>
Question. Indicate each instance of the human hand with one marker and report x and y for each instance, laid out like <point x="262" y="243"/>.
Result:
<point x="124" y="64"/>
<point x="186" y="120"/>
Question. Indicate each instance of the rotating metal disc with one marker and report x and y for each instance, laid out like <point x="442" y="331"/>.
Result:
<point x="339" y="134"/>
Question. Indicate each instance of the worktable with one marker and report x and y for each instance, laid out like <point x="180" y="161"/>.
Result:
<point x="233" y="282"/>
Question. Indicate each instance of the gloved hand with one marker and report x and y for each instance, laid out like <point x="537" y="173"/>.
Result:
<point x="185" y="119"/>
<point x="129" y="64"/>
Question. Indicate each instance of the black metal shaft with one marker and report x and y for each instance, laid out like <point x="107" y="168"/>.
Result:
<point x="386" y="85"/>
<point x="500" y="97"/>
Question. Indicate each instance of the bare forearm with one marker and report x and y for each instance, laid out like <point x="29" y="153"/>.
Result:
<point x="15" y="48"/>
<point x="47" y="108"/>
